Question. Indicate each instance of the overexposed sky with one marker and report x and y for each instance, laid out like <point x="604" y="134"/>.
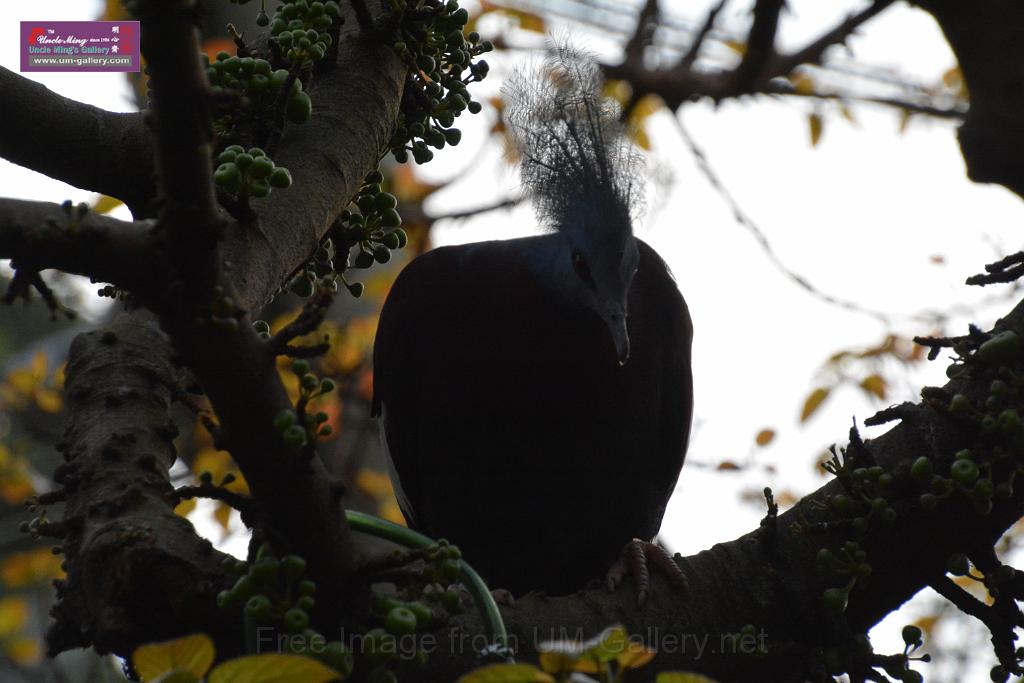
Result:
<point x="860" y="216"/>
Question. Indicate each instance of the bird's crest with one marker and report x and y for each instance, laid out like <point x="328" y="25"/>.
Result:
<point x="577" y="164"/>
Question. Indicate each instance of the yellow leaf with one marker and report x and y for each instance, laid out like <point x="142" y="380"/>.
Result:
<point x="105" y="204"/>
<point x="727" y="466"/>
<point x="193" y="654"/>
<point x="802" y="83"/>
<point x="617" y="90"/>
<point x="813" y="402"/>
<point x="645" y="106"/>
<point x="30" y="567"/>
<point x="273" y="668"/>
<point x="874" y="385"/>
<point x="185" y="507"/>
<point x="635" y="656"/>
<point x="927" y="624"/>
<point x="527" y="20"/>
<point x="49" y="401"/>
<point x="905" y="115"/>
<point x="23" y="650"/>
<point x="222" y="513"/>
<point x="13" y="614"/>
<point x="816" y="123"/>
<point x="681" y="677"/>
<point x="507" y="673"/>
<point x="847" y="113"/>
<point x="764" y="437"/>
<point x="639" y="137"/>
<point x="736" y="46"/>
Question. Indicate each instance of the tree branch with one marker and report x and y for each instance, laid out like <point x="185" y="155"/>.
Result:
<point x="760" y="52"/>
<point x="40" y="235"/>
<point x="813" y="51"/>
<point x="88" y="147"/>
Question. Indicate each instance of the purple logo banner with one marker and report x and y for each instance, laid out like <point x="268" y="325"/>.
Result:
<point x="80" y="46"/>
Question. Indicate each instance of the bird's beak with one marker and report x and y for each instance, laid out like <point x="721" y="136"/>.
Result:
<point x="620" y="336"/>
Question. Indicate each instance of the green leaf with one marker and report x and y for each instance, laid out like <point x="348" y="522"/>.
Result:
<point x="507" y="673"/>
<point x="156" y="661"/>
<point x="273" y="668"/>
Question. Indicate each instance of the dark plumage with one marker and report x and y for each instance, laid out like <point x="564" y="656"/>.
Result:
<point x="514" y="428"/>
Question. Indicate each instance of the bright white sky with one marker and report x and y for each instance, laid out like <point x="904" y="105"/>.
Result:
<point x="859" y="216"/>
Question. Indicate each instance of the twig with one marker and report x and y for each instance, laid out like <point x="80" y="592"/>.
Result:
<point x="813" y="51"/>
<point x="312" y="314"/>
<point x="1007" y="269"/>
<point x="688" y="60"/>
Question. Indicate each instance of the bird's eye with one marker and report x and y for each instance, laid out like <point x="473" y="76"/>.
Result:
<point x="579" y="264"/>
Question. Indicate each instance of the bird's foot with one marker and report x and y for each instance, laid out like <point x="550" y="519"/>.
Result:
<point x="634" y="559"/>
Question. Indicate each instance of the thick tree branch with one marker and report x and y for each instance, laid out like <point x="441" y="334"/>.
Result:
<point x="40" y="235"/>
<point x="986" y="37"/>
<point x="180" y="112"/>
<point x="136" y="571"/>
<point x="355" y="110"/>
<point x="87" y="147"/>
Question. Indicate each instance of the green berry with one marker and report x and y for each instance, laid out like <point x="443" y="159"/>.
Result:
<point x="294" y="437"/>
<point x="280" y="178"/>
<point x="400" y="620"/>
<point x="296" y="620"/>
<point x="261" y="167"/>
<point x="227" y="175"/>
<point x="1000" y="349"/>
<point x="284" y="420"/>
<point x="959" y="405"/>
<point x="389" y="218"/>
<point x="835" y="599"/>
<point x="259" y="189"/>
<point x="258" y="607"/>
<point x="301" y="286"/>
<point x="300" y="367"/>
<point x="912" y="635"/>
<point x="299" y="108"/>
<point x="922" y="469"/>
<point x="294" y="566"/>
<point x="964" y="471"/>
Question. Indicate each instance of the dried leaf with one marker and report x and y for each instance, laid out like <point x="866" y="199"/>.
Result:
<point x="816" y="124"/>
<point x="764" y="437"/>
<point x="813" y="402"/>
<point x="874" y="385"/>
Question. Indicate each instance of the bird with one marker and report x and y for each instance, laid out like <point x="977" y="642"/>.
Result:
<point x="535" y="394"/>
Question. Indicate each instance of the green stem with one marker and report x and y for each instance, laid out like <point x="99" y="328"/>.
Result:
<point x="375" y="526"/>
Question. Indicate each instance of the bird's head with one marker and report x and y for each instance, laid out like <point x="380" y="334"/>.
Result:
<point x="584" y="177"/>
<point x="599" y="275"/>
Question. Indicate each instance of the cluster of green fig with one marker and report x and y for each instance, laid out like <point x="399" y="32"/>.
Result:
<point x="271" y="591"/>
<point x="431" y="40"/>
<point x="301" y="30"/>
<point x="260" y="84"/>
<point x="851" y="562"/>
<point x="297" y="427"/>
<point x="841" y="660"/>
<point x="249" y="173"/>
<point x="424" y="603"/>
<point x="987" y="472"/>
<point x="867" y="491"/>
<point x="320" y="270"/>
